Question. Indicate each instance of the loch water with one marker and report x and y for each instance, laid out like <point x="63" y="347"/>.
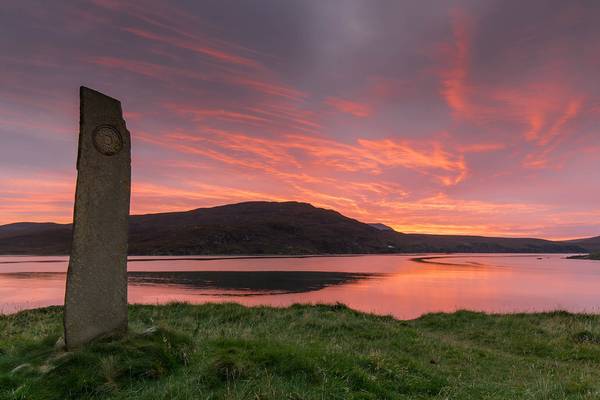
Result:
<point x="405" y="286"/>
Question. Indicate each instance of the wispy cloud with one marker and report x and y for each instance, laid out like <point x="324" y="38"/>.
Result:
<point x="462" y="119"/>
<point x="454" y="79"/>
<point x="292" y="152"/>
<point x="196" y="46"/>
<point x="349" y="107"/>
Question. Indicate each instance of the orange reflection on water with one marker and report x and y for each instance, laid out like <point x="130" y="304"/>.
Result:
<point x="399" y="286"/>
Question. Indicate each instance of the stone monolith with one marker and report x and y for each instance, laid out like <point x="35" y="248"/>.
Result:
<point x="96" y="294"/>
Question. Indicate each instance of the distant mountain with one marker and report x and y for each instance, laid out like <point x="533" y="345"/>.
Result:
<point x="255" y="228"/>
<point x="26" y="228"/>
<point x="482" y="244"/>
<point x="592" y="245"/>
<point x="266" y="228"/>
<point x="35" y="238"/>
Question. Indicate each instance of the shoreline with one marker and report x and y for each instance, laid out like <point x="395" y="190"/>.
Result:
<point x="214" y="257"/>
<point x="591" y="256"/>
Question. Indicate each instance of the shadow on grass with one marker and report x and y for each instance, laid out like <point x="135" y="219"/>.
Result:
<point x="39" y="370"/>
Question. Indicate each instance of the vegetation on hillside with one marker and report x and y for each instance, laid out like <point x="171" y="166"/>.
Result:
<point x="227" y="351"/>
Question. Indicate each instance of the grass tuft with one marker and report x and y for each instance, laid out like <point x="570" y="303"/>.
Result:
<point x="101" y="368"/>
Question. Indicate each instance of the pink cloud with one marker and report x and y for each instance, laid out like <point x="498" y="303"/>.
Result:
<point x="349" y="107"/>
<point x="204" y="49"/>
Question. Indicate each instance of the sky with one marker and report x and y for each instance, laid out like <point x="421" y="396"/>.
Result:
<point x="462" y="117"/>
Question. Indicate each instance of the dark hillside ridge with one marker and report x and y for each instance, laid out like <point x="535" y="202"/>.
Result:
<point x="35" y="238"/>
<point x="591" y="245"/>
<point x="268" y="228"/>
<point x="381" y="227"/>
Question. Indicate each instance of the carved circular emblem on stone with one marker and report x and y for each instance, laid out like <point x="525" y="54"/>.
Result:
<point x="107" y="140"/>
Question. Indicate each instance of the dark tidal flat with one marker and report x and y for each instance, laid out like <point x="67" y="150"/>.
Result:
<point x="249" y="283"/>
<point x="228" y="351"/>
<point x="229" y="283"/>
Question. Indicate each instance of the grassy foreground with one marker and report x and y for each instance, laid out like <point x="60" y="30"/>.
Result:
<point x="226" y="351"/>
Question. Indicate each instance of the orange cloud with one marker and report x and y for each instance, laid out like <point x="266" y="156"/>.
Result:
<point x="46" y="198"/>
<point x="482" y="147"/>
<point x="481" y="123"/>
<point x="349" y="107"/>
<point x="169" y="73"/>
<point x="204" y="49"/>
<point x="454" y="79"/>
<point x="290" y="115"/>
<point x="570" y="112"/>
<point x="390" y="152"/>
<point x="50" y="199"/>
<point x="290" y="152"/>
<point x="545" y="108"/>
<point x="149" y="197"/>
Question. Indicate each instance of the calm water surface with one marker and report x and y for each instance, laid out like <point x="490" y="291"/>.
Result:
<point x="405" y="286"/>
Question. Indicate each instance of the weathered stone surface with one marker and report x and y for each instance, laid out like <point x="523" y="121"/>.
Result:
<point x="96" y="295"/>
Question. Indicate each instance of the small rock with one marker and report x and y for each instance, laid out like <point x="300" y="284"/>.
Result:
<point x="60" y="343"/>
<point x="150" y="331"/>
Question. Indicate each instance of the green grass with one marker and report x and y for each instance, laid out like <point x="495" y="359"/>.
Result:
<point x="226" y="351"/>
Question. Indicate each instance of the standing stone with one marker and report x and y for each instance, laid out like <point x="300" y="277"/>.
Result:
<point x="96" y="295"/>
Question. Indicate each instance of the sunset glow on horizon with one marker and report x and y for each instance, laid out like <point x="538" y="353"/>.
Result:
<point x="465" y="117"/>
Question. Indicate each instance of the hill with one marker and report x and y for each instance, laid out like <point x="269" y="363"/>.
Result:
<point x="423" y="243"/>
<point x="381" y="227"/>
<point x="266" y="228"/>
<point x="592" y="245"/>
<point x="35" y="238"/>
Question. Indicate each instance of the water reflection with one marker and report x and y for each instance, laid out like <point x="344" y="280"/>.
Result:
<point x="249" y="283"/>
<point x="405" y="286"/>
<point x="42" y="276"/>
